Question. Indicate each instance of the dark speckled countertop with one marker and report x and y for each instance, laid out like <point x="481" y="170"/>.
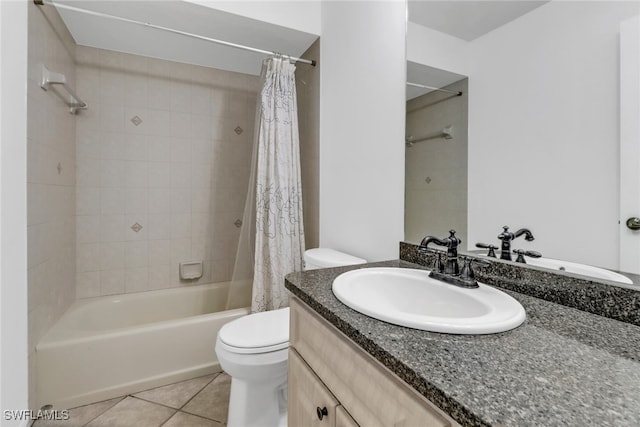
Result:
<point x="562" y="367"/>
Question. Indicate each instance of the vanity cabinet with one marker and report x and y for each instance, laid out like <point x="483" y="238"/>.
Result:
<point x="343" y="419"/>
<point x="327" y="370"/>
<point x="310" y="402"/>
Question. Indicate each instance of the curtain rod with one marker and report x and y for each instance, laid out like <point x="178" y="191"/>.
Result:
<point x="457" y="93"/>
<point x="171" y="30"/>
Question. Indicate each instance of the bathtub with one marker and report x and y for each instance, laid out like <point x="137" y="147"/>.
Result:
<point x="110" y="346"/>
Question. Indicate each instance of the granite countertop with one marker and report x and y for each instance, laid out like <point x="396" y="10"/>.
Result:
<point x="562" y="367"/>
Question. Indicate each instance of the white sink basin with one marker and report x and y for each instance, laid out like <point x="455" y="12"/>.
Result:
<point x="585" y="270"/>
<point x="410" y="298"/>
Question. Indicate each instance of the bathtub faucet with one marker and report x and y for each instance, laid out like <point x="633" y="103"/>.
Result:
<point x="507" y="236"/>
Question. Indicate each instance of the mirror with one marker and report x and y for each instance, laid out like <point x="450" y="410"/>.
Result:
<point x="543" y="102"/>
<point x="435" y="153"/>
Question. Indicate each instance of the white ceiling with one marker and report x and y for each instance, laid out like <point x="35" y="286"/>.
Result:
<point x="468" y="20"/>
<point x="463" y="19"/>
<point x="119" y="36"/>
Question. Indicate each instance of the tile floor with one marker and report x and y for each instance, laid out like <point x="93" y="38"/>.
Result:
<point x="200" y="402"/>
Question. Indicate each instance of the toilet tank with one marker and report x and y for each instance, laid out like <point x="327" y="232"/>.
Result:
<point x="326" y="258"/>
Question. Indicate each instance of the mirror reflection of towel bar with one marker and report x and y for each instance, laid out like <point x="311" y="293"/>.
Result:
<point x="447" y="133"/>
<point x="50" y="78"/>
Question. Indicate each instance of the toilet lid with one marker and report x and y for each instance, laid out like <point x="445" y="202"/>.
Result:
<point x="257" y="333"/>
<point x="326" y="257"/>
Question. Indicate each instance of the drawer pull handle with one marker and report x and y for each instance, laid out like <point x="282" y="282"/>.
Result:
<point x="322" y="412"/>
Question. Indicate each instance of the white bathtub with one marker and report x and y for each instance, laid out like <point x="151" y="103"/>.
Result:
<point x="110" y="346"/>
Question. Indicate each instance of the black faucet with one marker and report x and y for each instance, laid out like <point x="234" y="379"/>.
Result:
<point x="450" y="272"/>
<point x="451" y="243"/>
<point x="522" y="253"/>
<point x="492" y="249"/>
<point x="506" y="236"/>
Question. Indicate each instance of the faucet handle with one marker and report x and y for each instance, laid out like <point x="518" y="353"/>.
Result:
<point x="467" y="274"/>
<point x="522" y="253"/>
<point x="491" y="248"/>
<point x="439" y="264"/>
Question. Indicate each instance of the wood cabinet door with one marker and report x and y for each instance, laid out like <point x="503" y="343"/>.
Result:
<point x="310" y="404"/>
<point x="343" y="419"/>
<point x="371" y="393"/>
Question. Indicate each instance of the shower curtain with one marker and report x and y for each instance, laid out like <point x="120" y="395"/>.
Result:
<point x="272" y="227"/>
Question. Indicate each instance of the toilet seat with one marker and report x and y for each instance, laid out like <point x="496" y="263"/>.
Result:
<point x="256" y="333"/>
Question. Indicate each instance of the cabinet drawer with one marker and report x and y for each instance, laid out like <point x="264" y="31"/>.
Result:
<point x="373" y="395"/>
<point x="310" y="403"/>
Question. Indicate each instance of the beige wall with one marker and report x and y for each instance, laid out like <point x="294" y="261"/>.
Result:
<point x="181" y="173"/>
<point x="308" y="89"/>
<point x="50" y="181"/>
<point x="436" y="170"/>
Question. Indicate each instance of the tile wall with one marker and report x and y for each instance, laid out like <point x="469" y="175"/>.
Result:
<point x="50" y="180"/>
<point x="163" y="157"/>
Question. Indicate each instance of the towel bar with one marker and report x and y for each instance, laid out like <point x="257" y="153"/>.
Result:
<point x="51" y="78"/>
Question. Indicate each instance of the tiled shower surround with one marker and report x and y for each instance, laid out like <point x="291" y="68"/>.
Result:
<point x="51" y="249"/>
<point x="162" y="166"/>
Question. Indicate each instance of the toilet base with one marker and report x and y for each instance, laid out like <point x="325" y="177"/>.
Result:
<point x="259" y="404"/>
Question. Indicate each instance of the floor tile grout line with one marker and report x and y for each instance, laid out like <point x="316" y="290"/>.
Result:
<point x="199" y="391"/>
<point x="194" y="396"/>
<point x="202" y="416"/>
<point x="167" y="420"/>
<point x="193" y="415"/>
<point x="121" y="398"/>
<point x="175" y="411"/>
<point x="217" y="374"/>
<point x="154" y="403"/>
<point x="88" y="422"/>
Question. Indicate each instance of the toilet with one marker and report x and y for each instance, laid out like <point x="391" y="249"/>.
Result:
<point x="253" y="351"/>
